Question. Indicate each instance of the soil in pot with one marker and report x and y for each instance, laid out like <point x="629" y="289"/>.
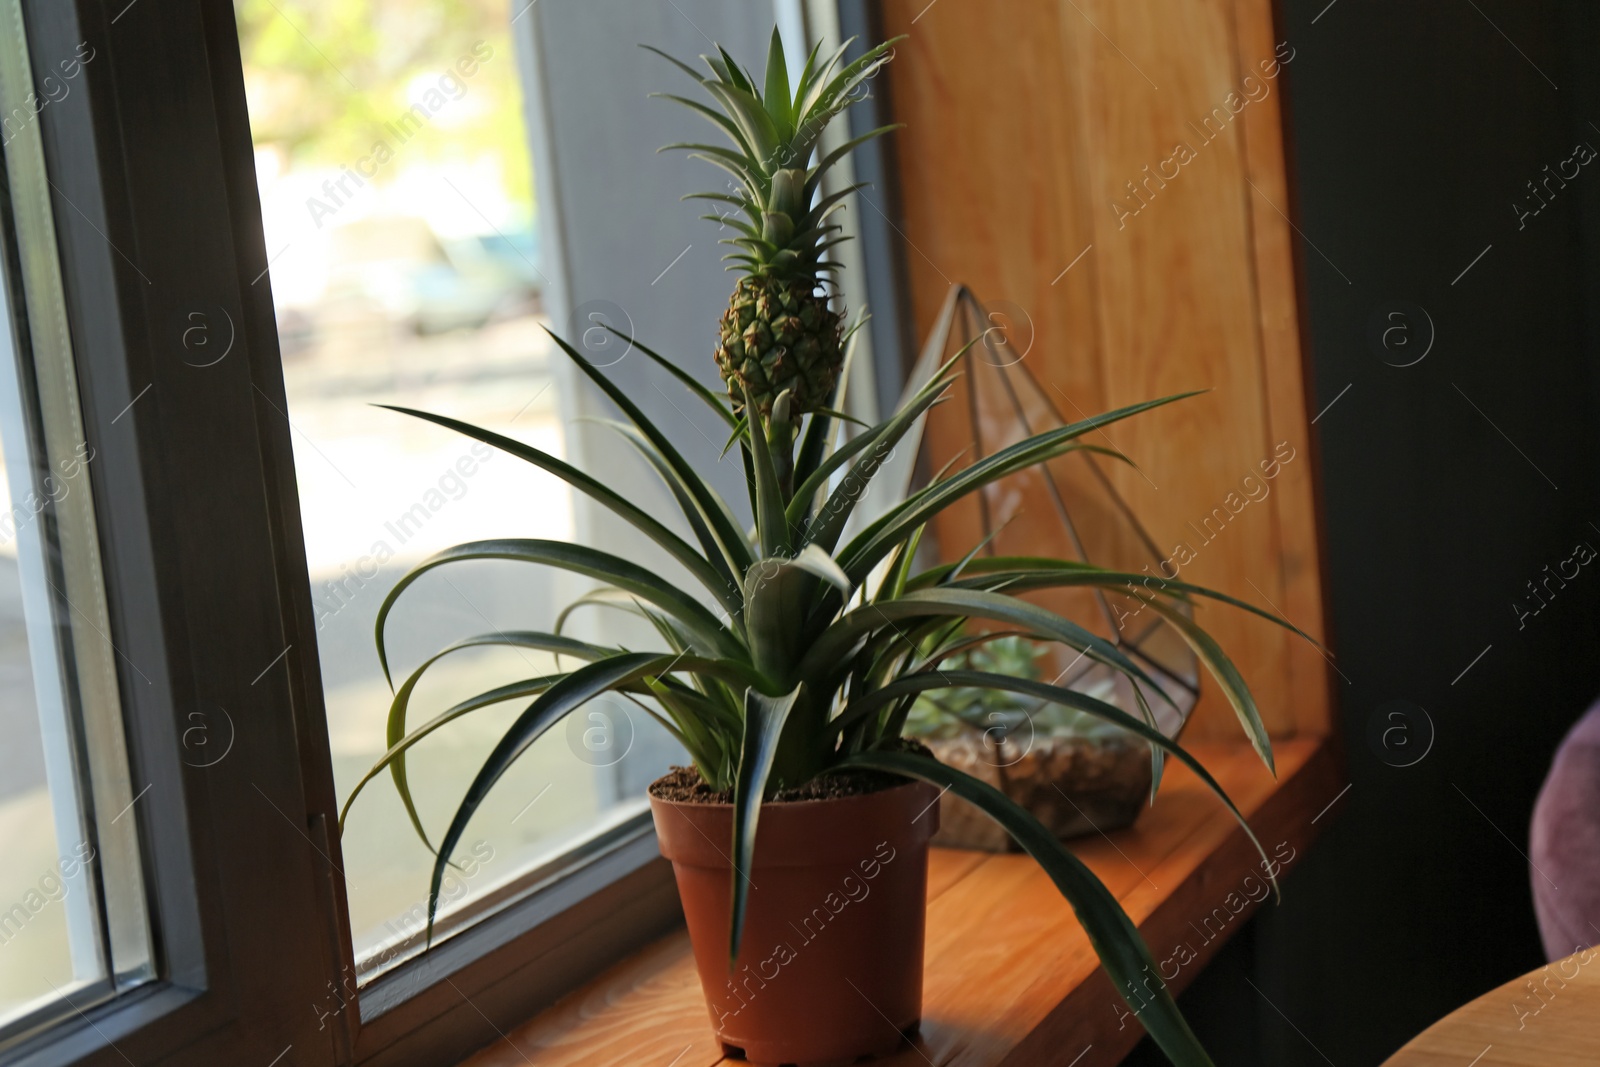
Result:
<point x="830" y="966"/>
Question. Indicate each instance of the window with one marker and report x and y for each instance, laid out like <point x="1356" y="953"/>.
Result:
<point x="154" y="779"/>
<point x="204" y="299"/>
<point x="413" y="264"/>
<point x="408" y="268"/>
<point x="73" y="925"/>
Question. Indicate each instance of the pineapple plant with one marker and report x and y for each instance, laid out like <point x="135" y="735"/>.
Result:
<point x="780" y="333"/>
<point x="799" y="652"/>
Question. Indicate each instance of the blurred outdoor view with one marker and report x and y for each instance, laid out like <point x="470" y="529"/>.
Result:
<point x="35" y="957"/>
<point x="404" y="243"/>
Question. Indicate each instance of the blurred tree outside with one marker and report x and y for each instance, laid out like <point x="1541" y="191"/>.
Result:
<point x="325" y="78"/>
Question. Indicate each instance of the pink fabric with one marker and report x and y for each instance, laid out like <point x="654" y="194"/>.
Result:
<point x="1565" y="843"/>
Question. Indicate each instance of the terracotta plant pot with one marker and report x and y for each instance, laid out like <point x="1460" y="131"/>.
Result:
<point x="830" y="967"/>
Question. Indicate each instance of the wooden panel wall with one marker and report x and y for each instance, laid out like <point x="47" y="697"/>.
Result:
<point x="1139" y="142"/>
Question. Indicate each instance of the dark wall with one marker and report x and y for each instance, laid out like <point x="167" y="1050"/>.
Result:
<point x="1448" y="485"/>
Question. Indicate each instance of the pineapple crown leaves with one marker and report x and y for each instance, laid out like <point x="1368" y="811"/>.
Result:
<point x="775" y="130"/>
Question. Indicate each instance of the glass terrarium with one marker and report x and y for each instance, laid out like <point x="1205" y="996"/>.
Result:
<point x="1077" y="773"/>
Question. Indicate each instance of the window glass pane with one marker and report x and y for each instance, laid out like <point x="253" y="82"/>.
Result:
<point x="73" y="923"/>
<point x="407" y="268"/>
<point x="36" y="957"/>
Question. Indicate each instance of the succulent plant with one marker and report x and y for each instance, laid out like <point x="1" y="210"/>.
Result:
<point x="1000" y="714"/>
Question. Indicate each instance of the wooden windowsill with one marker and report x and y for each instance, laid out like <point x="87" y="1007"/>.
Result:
<point x="1010" y="977"/>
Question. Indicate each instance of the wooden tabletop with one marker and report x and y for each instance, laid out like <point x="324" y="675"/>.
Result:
<point x="1010" y="978"/>
<point x="1549" y="1018"/>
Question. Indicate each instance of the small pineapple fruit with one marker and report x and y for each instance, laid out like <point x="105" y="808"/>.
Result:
<point x="780" y="332"/>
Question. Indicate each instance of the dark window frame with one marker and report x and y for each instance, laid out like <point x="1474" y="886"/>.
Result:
<point x="185" y="528"/>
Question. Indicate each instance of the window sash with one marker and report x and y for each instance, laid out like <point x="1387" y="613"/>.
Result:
<point x="147" y="196"/>
<point x="75" y="664"/>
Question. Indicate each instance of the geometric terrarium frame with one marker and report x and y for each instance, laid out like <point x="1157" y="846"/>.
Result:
<point x="1076" y="774"/>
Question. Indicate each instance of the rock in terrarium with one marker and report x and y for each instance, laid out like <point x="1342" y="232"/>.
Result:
<point x="1076" y="773"/>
